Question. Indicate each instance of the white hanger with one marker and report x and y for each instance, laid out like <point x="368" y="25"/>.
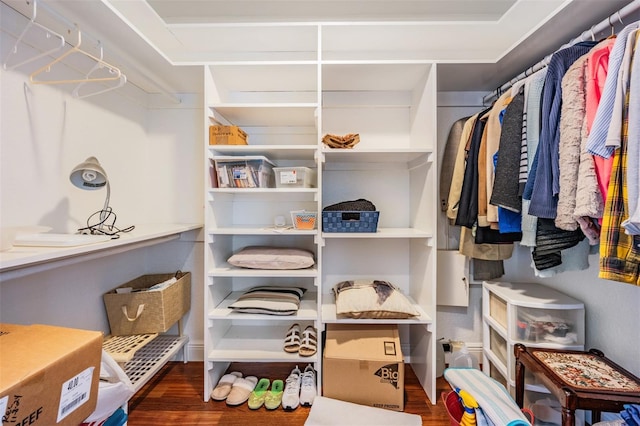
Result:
<point x="32" y="23"/>
<point x="76" y="49"/>
<point x="99" y="65"/>
<point x="122" y="81"/>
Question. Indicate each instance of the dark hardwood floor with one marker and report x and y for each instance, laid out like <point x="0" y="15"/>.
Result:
<point x="175" y="397"/>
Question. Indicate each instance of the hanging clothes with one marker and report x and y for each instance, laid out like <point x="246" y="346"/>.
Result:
<point x="506" y="188"/>
<point x="533" y="92"/>
<point x="632" y="224"/>
<point x="589" y="199"/>
<point x="457" y="177"/>
<point x="619" y="252"/>
<point x="494" y="129"/>
<point x="449" y="160"/>
<point x="573" y="127"/>
<point x="596" y="144"/>
<point x="468" y="206"/>
<point x="545" y="182"/>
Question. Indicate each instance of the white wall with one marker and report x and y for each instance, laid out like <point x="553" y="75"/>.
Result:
<point x="153" y="157"/>
<point x="611" y="308"/>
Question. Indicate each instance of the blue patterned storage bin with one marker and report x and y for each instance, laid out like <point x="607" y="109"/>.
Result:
<point x="350" y="221"/>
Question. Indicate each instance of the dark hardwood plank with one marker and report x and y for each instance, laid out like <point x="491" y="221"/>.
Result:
<point x="175" y="397"/>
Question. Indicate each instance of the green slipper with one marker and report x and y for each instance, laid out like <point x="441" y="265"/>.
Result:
<point x="257" y="397"/>
<point x="274" y="395"/>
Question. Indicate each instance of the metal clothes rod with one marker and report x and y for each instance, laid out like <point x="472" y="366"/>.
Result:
<point x="168" y="94"/>
<point x="57" y="16"/>
<point x="603" y="25"/>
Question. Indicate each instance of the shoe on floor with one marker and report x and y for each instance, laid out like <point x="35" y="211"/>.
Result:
<point x="241" y="390"/>
<point x="291" y="395"/>
<point x="308" y="386"/>
<point x="222" y="389"/>
<point x="256" y="399"/>
<point x="274" y="395"/>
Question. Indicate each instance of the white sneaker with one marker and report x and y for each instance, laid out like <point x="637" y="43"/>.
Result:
<point x="291" y="394"/>
<point x="308" y="387"/>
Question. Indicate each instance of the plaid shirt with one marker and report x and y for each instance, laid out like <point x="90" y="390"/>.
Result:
<point x="619" y="252"/>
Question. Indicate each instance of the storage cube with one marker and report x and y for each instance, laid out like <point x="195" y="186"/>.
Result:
<point x="252" y="171"/>
<point x="142" y="311"/>
<point x="295" y="177"/>
<point x="350" y="221"/>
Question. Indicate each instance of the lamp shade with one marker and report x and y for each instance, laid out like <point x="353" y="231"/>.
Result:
<point x="89" y="175"/>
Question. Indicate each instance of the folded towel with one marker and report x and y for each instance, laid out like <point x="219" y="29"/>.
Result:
<point x="495" y="401"/>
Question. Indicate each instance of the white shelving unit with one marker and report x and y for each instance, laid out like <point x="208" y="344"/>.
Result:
<point x="286" y="102"/>
<point x="526" y="313"/>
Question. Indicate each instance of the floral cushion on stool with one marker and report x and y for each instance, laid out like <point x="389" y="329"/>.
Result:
<point x="587" y="372"/>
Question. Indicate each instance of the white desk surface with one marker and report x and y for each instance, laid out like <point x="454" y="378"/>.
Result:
<point x="20" y="257"/>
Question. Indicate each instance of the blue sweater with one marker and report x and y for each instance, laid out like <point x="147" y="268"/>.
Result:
<point x="544" y="181"/>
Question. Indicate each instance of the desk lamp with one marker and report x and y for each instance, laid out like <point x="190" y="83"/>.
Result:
<point x="91" y="176"/>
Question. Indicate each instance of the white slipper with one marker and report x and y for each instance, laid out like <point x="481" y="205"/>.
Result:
<point x="222" y="389"/>
<point x="241" y="389"/>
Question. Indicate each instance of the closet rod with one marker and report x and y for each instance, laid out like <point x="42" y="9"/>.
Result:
<point x="151" y="79"/>
<point x="71" y="25"/>
<point x="617" y="17"/>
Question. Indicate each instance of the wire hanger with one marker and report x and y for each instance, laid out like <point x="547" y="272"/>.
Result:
<point x="114" y="71"/>
<point x="32" y="23"/>
<point x="122" y="80"/>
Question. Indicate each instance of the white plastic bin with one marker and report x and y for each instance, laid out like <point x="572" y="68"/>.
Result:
<point x="295" y="177"/>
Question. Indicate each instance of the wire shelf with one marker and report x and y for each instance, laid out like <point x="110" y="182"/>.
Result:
<point x="149" y="356"/>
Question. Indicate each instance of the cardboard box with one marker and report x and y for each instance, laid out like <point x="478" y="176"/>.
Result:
<point x="145" y="312"/>
<point x="48" y="375"/>
<point x="227" y="135"/>
<point x="363" y="364"/>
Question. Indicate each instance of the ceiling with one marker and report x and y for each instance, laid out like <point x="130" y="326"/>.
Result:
<point x="478" y="44"/>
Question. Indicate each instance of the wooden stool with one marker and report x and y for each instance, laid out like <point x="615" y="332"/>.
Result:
<point x="580" y="380"/>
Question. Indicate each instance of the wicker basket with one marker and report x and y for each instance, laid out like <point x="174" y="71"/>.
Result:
<point x="142" y="312"/>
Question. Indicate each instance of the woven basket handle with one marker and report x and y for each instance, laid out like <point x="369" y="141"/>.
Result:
<point x="126" y="313"/>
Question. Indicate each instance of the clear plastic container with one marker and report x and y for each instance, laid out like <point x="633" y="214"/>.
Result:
<point x="295" y="177"/>
<point x="462" y="358"/>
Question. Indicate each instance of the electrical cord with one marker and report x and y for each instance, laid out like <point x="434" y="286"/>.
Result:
<point x="105" y="225"/>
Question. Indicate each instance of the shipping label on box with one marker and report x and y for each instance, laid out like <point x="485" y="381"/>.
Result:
<point x="364" y="365"/>
<point x="48" y="375"/>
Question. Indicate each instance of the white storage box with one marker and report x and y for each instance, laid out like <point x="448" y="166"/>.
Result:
<point x="295" y="177"/>
<point x="252" y="171"/>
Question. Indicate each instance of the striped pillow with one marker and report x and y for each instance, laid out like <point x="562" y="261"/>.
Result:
<point x="270" y="300"/>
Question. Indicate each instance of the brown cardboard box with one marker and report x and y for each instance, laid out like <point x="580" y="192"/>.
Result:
<point x="363" y="364"/>
<point x="48" y="375"/>
<point x="227" y="135"/>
